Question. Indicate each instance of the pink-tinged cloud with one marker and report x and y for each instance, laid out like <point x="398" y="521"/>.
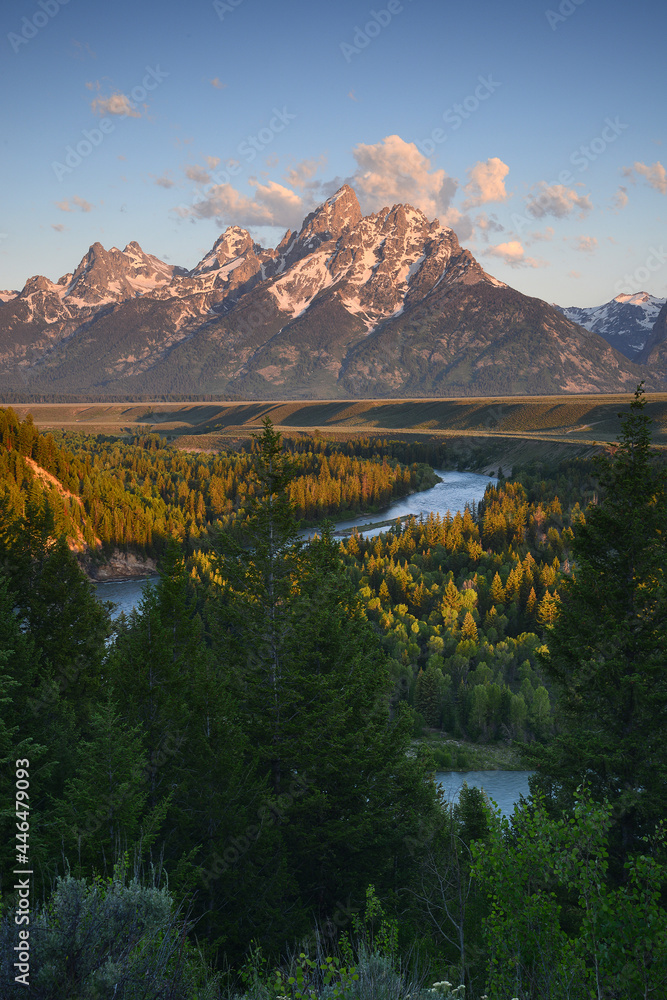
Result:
<point x="488" y="223"/>
<point x="655" y="174"/>
<point x="116" y="104"/>
<point x="556" y="200"/>
<point x="513" y="254"/>
<point x="271" y="205"/>
<point x="459" y="221"/>
<point x="395" y="172"/>
<point x="487" y="182"/>
<point x="59" y="228"/>
<point x="301" y="173"/>
<point x="620" y="199"/>
<point x="484" y="226"/>
<point x="197" y="174"/>
<point x="72" y="204"/>
<point x="217" y="83"/>
<point x="544" y="237"/>
<point x="164" y="180"/>
<point x="585" y="244"/>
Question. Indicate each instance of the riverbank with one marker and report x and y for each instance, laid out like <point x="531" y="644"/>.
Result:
<point x="119" y="567"/>
<point x="461" y="755"/>
<point x="373" y="525"/>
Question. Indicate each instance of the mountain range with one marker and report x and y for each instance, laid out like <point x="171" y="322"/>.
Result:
<point x="350" y="306"/>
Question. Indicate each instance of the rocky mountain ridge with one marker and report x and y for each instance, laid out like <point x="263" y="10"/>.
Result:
<point x="380" y="305"/>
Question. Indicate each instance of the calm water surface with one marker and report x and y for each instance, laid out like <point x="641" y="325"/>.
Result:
<point x="455" y="491"/>
<point x="125" y="594"/>
<point x="504" y="787"/>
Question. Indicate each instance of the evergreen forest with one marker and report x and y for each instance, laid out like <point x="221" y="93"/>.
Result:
<point x="229" y="792"/>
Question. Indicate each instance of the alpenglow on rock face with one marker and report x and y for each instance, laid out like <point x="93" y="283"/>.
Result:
<point x="384" y="305"/>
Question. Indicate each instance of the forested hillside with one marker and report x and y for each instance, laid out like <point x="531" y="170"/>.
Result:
<point x="221" y="794"/>
<point x="142" y="492"/>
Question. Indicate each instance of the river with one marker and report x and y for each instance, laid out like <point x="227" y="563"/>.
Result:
<point x="124" y="594"/>
<point x="504" y="787"/>
<point x="455" y="491"/>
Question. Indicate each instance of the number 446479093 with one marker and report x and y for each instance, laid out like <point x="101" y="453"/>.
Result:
<point x="22" y="811"/>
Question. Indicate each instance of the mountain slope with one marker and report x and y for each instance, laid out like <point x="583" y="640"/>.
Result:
<point x="483" y="340"/>
<point x="655" y="349"/>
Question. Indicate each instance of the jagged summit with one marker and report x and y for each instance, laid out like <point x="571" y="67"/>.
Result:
<point x="337" y="216"/>
<point x="634" y="298"/>
<point x="384" y="304"/>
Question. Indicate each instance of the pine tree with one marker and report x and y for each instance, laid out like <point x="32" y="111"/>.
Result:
<point x="469" y="628"/>
<point x="607" y="646"/>
<point x="497" y="590"/>
<point x="16" y="740"/>
<point x="99" y="816"/>
<point x="547" y="610"/>
<point x="427" y="695"/>
<point x="295" y="646"/>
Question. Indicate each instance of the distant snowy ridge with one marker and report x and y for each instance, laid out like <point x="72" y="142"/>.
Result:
<point x="625" y="322"/>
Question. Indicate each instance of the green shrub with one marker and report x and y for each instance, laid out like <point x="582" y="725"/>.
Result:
<point x="443" y="758"/>
<point x="112" y="938"/>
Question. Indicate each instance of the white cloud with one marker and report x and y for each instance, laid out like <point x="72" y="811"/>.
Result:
<point x="513" y="254"/>
<point x="394" y="171"/>
<point x="655" y="174"/>
<point x="556" y="200"/>
<point x="585" y="244"/>
<point x="73" y="204"/>
<point x="487" y="182"/>
<point x="116" y="104"/>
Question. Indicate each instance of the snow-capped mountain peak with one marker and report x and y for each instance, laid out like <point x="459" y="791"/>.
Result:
<point x="625" y="322"/>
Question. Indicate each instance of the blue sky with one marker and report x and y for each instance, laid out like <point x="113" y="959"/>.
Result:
<point x="535" y="130"/>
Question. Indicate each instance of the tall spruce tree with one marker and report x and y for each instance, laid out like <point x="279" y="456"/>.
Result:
<point x="312" y="682"/>
<point x="608" y="645"/>
<point x="202" y="789"/>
